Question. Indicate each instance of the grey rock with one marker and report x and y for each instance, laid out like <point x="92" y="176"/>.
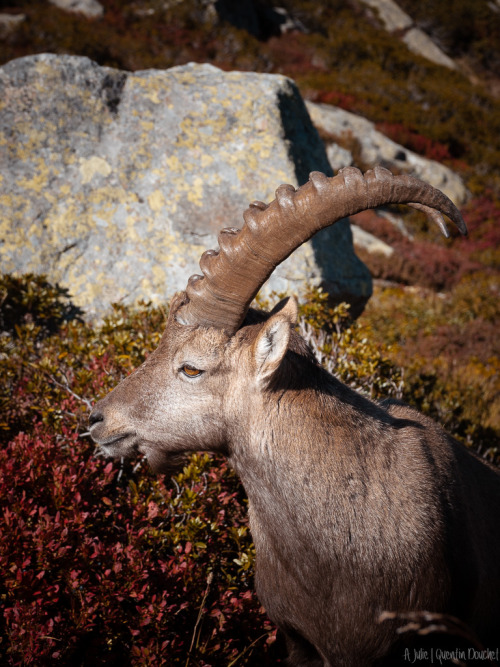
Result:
<point x="9" y="22"/>
<point x="395" y="19"/>
<point x="114" y="183"/>
<point x="421" y="44"/>
<point x="376" y="148"/>
<point x="338" y="157"/>
<point x="369" y="242"/>
<point x="285" y="21"/>
<point x="90" y="8"/>
<point x="391" y="15"/>
<point x="396" y="222"/>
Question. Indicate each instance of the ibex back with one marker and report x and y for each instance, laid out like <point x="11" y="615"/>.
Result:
<point x="355" y="507"/>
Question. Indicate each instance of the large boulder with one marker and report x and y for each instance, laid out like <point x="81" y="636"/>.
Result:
<point x="114" y="183"/>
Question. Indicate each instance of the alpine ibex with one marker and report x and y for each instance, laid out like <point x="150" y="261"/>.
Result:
<point x="356" y="507"/>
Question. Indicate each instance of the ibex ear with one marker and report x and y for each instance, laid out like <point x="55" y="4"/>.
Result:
<point x="178" y="300"/>
<point x="272" y="342"/>
<point x="289" y="308"/>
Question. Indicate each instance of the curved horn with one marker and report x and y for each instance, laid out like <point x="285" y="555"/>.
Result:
<point x="233" y="275"/>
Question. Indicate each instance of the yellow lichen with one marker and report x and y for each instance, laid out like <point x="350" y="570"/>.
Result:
<point x="156" y="200"/>
<point x="195" y="192"/>
<point x="91" y="166"/>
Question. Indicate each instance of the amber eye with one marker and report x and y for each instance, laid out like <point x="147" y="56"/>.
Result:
<point x="190" y="371"/>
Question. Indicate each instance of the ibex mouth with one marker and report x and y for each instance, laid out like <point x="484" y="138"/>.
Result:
<point x="112" y="440"/>
<point x="122" y="444"/>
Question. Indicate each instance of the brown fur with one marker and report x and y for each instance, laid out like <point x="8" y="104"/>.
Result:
<point x="355" y="507"/>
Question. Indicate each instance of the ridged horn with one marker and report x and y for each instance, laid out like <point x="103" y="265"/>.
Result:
<point x="246" y="258"/>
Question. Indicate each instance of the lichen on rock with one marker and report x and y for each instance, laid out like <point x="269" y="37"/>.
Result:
<point x="114" y="183"/>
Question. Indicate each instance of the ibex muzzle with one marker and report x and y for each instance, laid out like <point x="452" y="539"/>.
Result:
<point x="355" y="507"/>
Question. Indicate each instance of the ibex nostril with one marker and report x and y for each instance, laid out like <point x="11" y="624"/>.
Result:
<point x="95" y="417"/>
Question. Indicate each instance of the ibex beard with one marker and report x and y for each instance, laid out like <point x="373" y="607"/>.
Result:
<point x="355" y="507"/>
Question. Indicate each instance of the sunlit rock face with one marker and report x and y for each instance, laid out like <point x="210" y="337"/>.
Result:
<point x="114" y="183"/>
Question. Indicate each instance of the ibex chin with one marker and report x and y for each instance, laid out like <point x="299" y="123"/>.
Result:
<point x="355" y="507"/>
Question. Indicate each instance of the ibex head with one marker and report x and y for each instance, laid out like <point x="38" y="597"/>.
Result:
<point x="182" y="397"/>
<point x="188" y="394"/>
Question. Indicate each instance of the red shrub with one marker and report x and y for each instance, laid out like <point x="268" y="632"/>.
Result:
<point x="413" y="262"/>
<point x="114" y="570"/>
<point x="414" y="141"/>
<point x="482" y="216"/>
<point x="334" y="97"/>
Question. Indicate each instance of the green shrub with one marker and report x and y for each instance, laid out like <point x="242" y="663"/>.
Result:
<point x="33" y="300"/>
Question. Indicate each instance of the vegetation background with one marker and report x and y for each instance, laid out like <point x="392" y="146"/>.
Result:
<point x="104" y="563"/>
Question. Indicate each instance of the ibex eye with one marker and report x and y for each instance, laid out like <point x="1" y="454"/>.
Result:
<point x="190" y="371"/>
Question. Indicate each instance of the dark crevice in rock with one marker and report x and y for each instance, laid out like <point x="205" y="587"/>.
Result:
<point x="67" y="247"/>
<point x="112" y="89"/>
